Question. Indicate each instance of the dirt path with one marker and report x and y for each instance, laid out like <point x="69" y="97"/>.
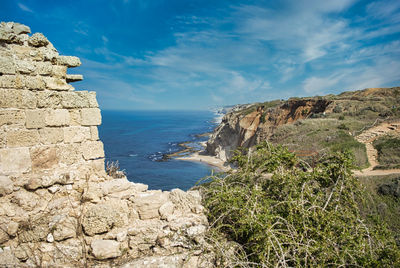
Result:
<point x="368" y="137"/>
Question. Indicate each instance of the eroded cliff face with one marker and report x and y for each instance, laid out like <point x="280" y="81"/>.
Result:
<point x="249" y="126"/>
<point x="58" y="207"/>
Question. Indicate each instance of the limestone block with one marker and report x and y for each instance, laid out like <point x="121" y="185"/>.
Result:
<point x="45" y="179"/>
<point x="92" y="100"/>
<point x="25" y="199"/>
<point x="98" y="165"/>
<point x="26" y="99"/>
<point x="90" y="117"/>
<point x="69" y="61"/>
<point x="6" y="185"/>
<point x="148" y="203"/>
<point x="35" y="118"/>
<point x="25" y="66"/>
<point x="75" y="116"/>
<point x="70" y="249"/>
<point x="48" y="53"/>
<point x="7" y="81"/>
<point x="48" y="99"/>
<point x="21" y="252"/>
<point x="20" y="81"/>
<point x="11" y="98"/>
<point x="116" y="185"/>
<point x="58" y="117"/>
<point x="38" y="40"/>
<point x="44" y="157"/>
<point x="92" y="150"/>
<point x="185" y="201"/>
<point x="197" y="231"/>
<point x="7" y="65"/>
<point x="7" y="257"/>
<point x="166" y="209"/>
<point x="105" y="249"/>
<point x="19" y="28"/>
<point x="22" y="138"/>
<point x="8" y="117"/>
<point x="63" y="227"/>
<point x="53" y="83"/>
<point x="92" y="193"/>
<point x="35" y="231"/>
<point x="140" y="187"/>
<point x="34" y="82"/>
<point x="74" y="100"/>
<point x="44" y="68"/>
<point x="6" y="33"/>
<point x="94" y="132"/>
<point x="51" y="135"/>
<point x="76" y="134"/>
<point x="59" y="71"/>
<point x="100" y="218"/>
<point x="74" y="78"/>
<point x="69" y="153"/>
<point x="11" y="228"/>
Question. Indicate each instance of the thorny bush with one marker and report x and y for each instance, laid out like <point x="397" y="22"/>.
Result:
<point x="295" y="218"/>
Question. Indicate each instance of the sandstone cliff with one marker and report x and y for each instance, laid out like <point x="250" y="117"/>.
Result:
<point x="58" y="207"/>
<point x="306" y="125"/>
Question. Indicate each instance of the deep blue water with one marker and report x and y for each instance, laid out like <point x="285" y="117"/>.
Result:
<point x="138" y="138"/>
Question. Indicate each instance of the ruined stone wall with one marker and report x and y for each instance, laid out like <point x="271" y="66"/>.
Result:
<point x="44" y="123"/>
<point x="58" y="207"/>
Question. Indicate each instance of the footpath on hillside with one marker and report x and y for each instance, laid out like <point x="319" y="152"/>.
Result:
<point x="367" y="137"/>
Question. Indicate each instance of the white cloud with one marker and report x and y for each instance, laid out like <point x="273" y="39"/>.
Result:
<point x="319" y="85"/>
<point x="383" y="73"/>
<point x="256" y="52"/>
<point x="387" y="9"/>
<point x="305" y="27"/>
<point x="25" y="8"/>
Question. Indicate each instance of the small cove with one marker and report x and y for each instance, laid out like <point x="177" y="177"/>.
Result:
<point x="138" y="140"/>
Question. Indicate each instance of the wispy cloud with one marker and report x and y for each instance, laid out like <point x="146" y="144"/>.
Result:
<point x="24" y="7"/>
<point x="258" y="52"/>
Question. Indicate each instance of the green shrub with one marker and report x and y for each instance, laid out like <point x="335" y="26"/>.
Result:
<point x="296" y="218"/>
<point x="388" y="148"/>
<point x="343" y="127"/>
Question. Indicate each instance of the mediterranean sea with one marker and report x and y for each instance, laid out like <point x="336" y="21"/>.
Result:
<point x="138" y="140"/>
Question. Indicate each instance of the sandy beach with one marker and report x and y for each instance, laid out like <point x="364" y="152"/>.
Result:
<point x="208" y="159"/>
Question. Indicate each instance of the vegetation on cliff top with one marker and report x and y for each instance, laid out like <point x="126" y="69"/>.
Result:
<point x="332" y="126"/>
<point x="298" y="217"/>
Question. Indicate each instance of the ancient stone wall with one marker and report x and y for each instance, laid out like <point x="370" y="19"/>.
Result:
<point x="57" y="204"/>
<point x="44" y="123"/>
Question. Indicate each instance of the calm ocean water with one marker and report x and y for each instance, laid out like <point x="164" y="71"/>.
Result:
<point x="137" y="139"/>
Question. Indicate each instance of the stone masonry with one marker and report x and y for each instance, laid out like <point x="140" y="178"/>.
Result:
<point x="58" y="207"/>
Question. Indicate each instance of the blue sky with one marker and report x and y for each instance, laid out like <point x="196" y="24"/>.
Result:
<point x="197" y="54"/>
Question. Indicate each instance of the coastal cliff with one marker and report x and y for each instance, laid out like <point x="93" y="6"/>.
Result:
<point x="58" y="206"/>
<point x="306" y="125"/>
